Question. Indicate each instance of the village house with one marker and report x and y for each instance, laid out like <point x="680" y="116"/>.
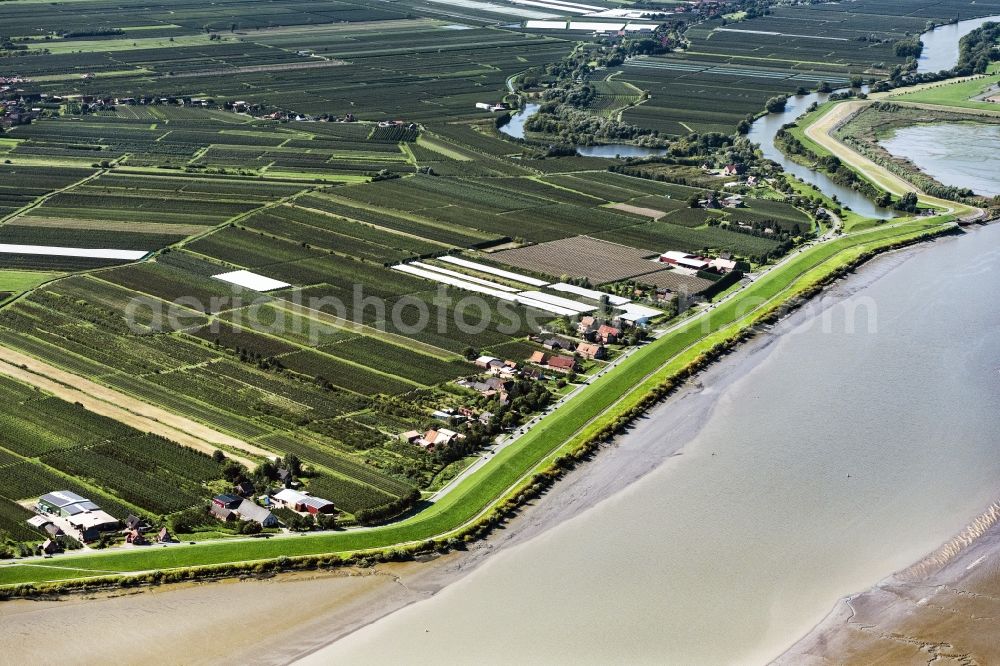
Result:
<point x="608" y="334"/>
<point x="163" y="536"/>
<point x="492" y="387"/>
<point x="244" y="489"/>
<point x="301" y="502"/>
<point x="440" y="437"/>
<point x="554" y="344"/>
<point x="586" y="327"/>
<point x="135" y="538"/>
<point x="564" y="364"/>
<point x="285" y="477"/>
<point x="539" y="358"/>
<point x="134" y="522"/>
<point x="591" y="351"/>
<point x="722" y="265"/>
<point x="508" y="370"/>
<point x="50" y="547"/>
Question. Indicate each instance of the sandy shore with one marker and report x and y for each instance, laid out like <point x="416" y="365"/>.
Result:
<point x="945" y="609"/>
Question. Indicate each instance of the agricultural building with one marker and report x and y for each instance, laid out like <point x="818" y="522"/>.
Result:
<point x="226" y="501"/>
<point x="685" y="260"/>
<point x="303" y="502"/>
<point x="485" y="361"/>
<point x="91" y="524"/>
<point x="65" y="503"/>
<point x="249" y="511"/>
<point x="39" y="522"/>
<point x="634" y="314"/>
<point x="222" y="513"/>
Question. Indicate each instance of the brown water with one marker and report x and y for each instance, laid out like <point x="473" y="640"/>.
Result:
<point x="835" y="459"/>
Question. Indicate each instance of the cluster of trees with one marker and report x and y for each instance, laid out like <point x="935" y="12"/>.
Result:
<point x="907" y="203"/>
<point x="558" y="117"/>
<point x="978" y="49"/>
<point x="629" y="48"/>
<point x="776" y="104"/>
<point x="910" y="47"/>
<point x="264" y="475"/>
<point x="8" y="44"/>
<point x="701" y="144"/>
<point x="104" y="31"/>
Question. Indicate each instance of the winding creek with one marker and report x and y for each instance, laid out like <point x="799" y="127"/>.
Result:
<point x="515" y="128"/>
<point x="940" y="52"/>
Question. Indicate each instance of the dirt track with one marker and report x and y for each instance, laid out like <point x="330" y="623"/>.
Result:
<point x="121" y="407"/>
<point x="820" y="132"/>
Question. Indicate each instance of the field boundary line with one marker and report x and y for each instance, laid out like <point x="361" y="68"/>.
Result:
<point x="121" y="407"/>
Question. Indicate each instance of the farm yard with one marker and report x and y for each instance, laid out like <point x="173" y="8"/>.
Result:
<point x="47" y="443"/>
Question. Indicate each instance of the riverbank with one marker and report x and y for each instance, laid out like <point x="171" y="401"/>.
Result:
<point x="874" y="132"/>
<point x="820" y="128"/>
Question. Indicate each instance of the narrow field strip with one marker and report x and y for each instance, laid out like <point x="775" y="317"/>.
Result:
<point x="121" y="407"/>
